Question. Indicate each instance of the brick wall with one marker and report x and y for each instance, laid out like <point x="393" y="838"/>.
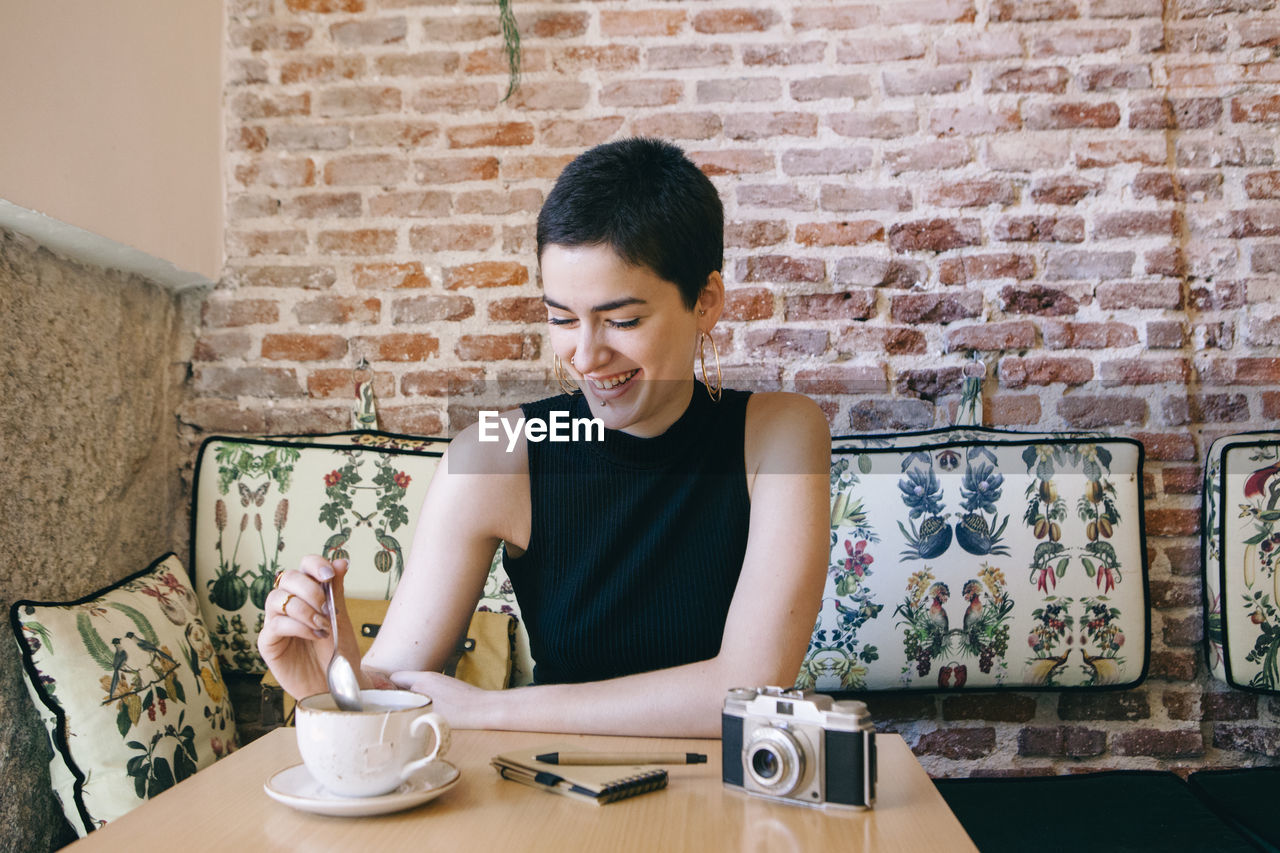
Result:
<point x="1083" y="192"/>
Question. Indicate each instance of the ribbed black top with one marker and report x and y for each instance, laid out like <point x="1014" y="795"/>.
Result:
<point x="636" y="543"/>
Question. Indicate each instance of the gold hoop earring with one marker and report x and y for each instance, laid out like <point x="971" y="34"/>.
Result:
<point x="718" y="391"/>
<point x="566" y="385"/>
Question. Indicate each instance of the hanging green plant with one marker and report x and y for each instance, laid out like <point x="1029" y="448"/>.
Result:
<point x="510" y="46"/>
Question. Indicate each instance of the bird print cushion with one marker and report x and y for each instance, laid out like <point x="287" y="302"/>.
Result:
<point x="262" y="504"/>
<point x="974" y="558"/>
<point x="129" y="688"/>
<point x="1241" y="547"/>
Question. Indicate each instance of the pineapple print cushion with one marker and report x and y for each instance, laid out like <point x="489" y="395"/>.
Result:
<point x="975" y="558"/>
<point x="129" y="688"/>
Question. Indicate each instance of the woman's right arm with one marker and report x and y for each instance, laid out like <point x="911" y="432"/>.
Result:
<point x="479" y="496"/>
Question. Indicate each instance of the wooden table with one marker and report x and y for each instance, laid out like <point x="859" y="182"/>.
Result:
<point x="224" y="807"/>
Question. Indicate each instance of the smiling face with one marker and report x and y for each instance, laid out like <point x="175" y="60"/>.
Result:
<point x="625" y="335"/>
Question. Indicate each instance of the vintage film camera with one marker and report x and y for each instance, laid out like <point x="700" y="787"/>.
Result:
<point x="799" y="747"/>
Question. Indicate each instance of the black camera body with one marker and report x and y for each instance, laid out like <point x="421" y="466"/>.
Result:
<point x="798" y="747"/>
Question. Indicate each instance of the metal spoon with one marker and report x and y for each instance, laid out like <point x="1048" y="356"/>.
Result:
<point x="344" y="686"/>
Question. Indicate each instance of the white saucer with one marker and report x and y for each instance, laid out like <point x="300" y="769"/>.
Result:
<point x="295" y="787"/>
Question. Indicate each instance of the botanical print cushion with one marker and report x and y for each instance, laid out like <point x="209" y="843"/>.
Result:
<point x="129" y="688"/>
<point x="1241" y="548"/>
<point x="974" y="558"/>
<point x="261" y="505"/>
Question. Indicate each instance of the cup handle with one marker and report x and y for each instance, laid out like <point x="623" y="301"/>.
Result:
<point x="443" y="737"/>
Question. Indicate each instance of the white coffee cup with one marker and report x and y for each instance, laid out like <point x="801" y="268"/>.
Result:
<point x="371" y="752"/>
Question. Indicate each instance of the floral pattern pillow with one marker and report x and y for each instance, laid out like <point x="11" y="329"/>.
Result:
<point x="128" y="685"/>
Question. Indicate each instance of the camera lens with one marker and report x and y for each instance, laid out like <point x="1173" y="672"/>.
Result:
<point x="765" y="763"/>
<point x="774" y="761"/>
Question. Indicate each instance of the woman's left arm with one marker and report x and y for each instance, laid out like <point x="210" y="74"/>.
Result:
<point x="770" y="620"/>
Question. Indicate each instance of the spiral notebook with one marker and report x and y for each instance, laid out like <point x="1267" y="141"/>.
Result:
<point x="597" y="784"/>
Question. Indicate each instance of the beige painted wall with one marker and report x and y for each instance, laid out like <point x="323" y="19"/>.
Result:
<point x="110" y="120"/>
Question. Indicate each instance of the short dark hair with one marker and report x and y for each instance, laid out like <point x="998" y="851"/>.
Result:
<point x="645" y="200"/>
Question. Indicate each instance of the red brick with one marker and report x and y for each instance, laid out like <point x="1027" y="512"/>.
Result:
<point x="875" y="125"/>
<point x="411" y="420"/>
<point x="840" y="233"/>
<point x="1271" y="405"/>
<point x="1174" y="665"/>
<point x="961" y="744"/>
<point x="1266" y="258"/>
<point x="755" y="234"/>
<point x="719" y="21"/>
<point x="459" y="97"/>
<point x="641" y="93"/>
<point x="832" y="86"/>
<point x="299" y="347"/>
<point x="748" y="303"/>
<point x="256" y="243"/>
<point x="785" y="343"/>
<point x="1040" y="229"/>
<point x="336" y="383"/>
<point x="269" y="36"/>
<point x="435" y="63"/>
<point x="679" y="125"/>
<point x="1159" y="743"/>
<point x="1228" y="706"/>
<point x="1167" y="594"/>
<point x="740" y="90"/>
<point x="443" y="383"/>
<point x="433" y="308"/>
<point x="1094" y="412"/>
<point x="1173" y="522"/>
<point x="841" y="379"/>
<point x="976" y="192"/>
<point x="838" y="198"/>
<point x="249" y="105"/>
<point x="848" y="305"/>
<point x="1064" y="189"/>
<point x="925" y="81"/>
<point x="1045" y="79"/>
<point x="365" y="241"/>
<point x="1175" y="113"/>
<point x="880" y="272"/>
<point x="1178" y="187"/>
<point x="1264" y="185"/>
<point x="1145" y="371"/>
<point x="1147" y="151"/>
<point x="1010" y="335"/>
<point x="933" y="12"/>
<point x="1023" y="153"/>
<point x="976" y="268"/>
<point x="1126" y="8"/>
<point x="429" y="204"/>
<point x="1248" y="370"/>
<point x="805" y="53"/>
<point x="741" y="126"/>
<point x="324" y="206"/>
<point x="398" y="346"/>
<point x="781" y="268"/>
<point x="503" y="134"/>
<point x="486" y="274"/>
<point x="979" y="47"/>
<point x="974" y="121"/>
<point x="1256" y="109"/>
<point x="1165" y="334"/>
<point x="338" y="309"/>
<point x="369" y="32"/>
<point x="928" y="384"/>
<point x="303" y="277"/>
<point x="1061" y="742"/>
<point x="234" y="382"/>
<point x="929" y="156"/>
<point x="357" y="101"/>
<point x="443" y="238"/>
<point x="321" y="69"/>
<point x="562" y="133"/>
<point x="939" y="308"/>
<point x="578" y="58"/>
<point x="732" y="162"/>
<point x="890" y="340"/>
<point x="935" y="235"/>
<point x="1087" y="264"/>
<point x="1138" y="224"/>
<point x="225" y="312"/>
<point x="1034" y="10"/>
<point x="1259" y="739"/>
<point x="1101" y="78"/>
<point x="550" y="95"/>
<point x="650" y="22"/>
<point x="1066" y="42"/>
<point x="1069" y="116"/>
<point x="220" y="346"/>
<point x="1038" y="299"/>
<point x="456" y="170"/>
<point x="322" y="137"/>
<point x="880" y="50"/>
<point x="826" y="161"/>
<point x="844" y="17"/>
<point x="247" y="139"/>
<point x="890" y="415"/>
<point x="277" y="172"/>
<point x="1018" y="372"/>
<point x="555" y="24"/>
<point x="366" y="169"/>
<point x="1012" y="410"/>
<point x="1113" y="296"/>
<point x="526" y="347"/>
<point x="1184" y="560"/>
<point x="389" y="276"/>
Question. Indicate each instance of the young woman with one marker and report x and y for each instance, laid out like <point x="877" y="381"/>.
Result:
<point x="681" y="556"/>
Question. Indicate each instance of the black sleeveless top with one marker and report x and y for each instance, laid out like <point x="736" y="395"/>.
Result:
<point x="636" y="544"/>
